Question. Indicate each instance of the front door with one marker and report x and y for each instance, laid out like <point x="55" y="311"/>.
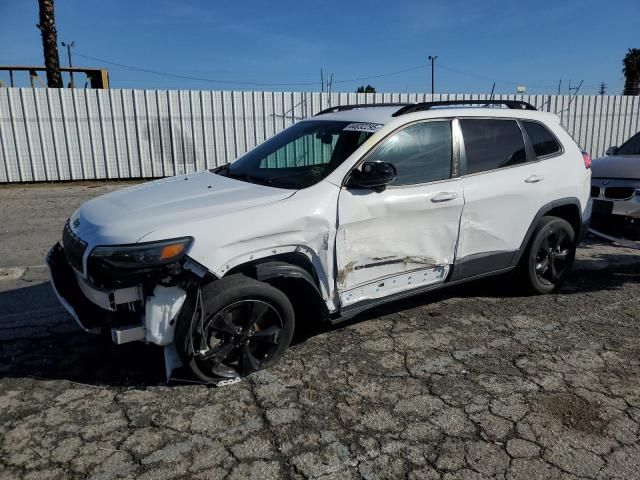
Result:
<point x="405" y="236"/>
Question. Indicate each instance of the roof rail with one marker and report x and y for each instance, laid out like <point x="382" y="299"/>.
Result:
<point x="342" y="108"/>
<point x="417" y="107"/>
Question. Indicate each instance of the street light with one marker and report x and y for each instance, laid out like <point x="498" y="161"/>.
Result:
<point x="433" y="61"/>
<point x="69" y="47"/>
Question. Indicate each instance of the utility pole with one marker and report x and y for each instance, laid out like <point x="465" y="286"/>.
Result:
<point x="433" y="62"/>
<point x="559" y="86"/>
<point x="571" y="89"/>
<point x="603" y="89"/>
<point x="69" y="47"/>
<point x="493" y="89"/>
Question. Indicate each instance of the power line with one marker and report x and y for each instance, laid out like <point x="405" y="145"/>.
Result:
<point x="233" y="82"/>
<point x="381" y="75"/>
<point x="303" y="84"/>
<point x="189" y="77"/>
<point x="498" y="80"/>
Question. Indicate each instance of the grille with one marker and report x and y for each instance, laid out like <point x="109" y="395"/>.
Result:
<point x="619" y="193"/>
<point x="73" y="247"/>
<point x="595" y="191"/>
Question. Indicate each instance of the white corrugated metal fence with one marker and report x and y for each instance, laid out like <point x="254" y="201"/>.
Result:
<point x="74" y="134"/>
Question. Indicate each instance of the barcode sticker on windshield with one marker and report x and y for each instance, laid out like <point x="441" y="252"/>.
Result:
<point x="363" y="127"/>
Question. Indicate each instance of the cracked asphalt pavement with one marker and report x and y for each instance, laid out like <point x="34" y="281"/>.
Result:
<point x="472" y="382"/>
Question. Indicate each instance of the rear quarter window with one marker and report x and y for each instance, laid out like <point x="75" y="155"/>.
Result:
<point x="542" y="140"/>
<point x="490" y="144"/>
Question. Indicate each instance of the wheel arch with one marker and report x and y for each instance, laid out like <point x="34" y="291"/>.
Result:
<point x="295" y="275"/>
<point x="568" y="209"/>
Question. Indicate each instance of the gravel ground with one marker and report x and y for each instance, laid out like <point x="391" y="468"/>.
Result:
<point x="467" y="383"/>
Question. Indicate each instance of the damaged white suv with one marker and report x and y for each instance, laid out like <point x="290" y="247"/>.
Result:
<point x="353" y="207"/>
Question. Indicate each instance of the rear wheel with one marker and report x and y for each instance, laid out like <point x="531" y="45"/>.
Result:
<point x="237" y="326"/>
<point x="550" y="256"/>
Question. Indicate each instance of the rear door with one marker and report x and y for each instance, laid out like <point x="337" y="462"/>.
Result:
<point x="504" y="188"/>
<point x="405" y="236"/>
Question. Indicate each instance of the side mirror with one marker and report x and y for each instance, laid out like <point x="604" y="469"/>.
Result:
<point x="375" y="175"/>
<point x="611" y="150"/>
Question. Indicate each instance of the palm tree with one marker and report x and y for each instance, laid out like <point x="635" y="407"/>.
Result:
<point x="47" y="27"/>
<point x="631" y="72"/>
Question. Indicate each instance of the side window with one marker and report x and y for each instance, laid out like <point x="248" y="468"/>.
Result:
<point x="631" y="146"/>
<point x="543" y="141"/>
<point x="421" y="153"/>
<point x="491" y="144"/>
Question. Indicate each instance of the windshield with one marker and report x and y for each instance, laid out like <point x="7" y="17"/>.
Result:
<point x="631" y="146"/>
<point x="301" y="155"/>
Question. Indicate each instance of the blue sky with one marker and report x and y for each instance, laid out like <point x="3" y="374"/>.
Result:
<point x="531" y="43"/>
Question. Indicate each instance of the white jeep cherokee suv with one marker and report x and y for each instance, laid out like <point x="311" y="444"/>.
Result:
<point x="353" y="207"/>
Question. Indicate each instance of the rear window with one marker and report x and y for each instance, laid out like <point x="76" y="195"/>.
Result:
<point x="543" y="141"/>
<point x="491" y="144"/>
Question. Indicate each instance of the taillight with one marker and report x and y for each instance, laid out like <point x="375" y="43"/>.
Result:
<point x="587" y="159"/>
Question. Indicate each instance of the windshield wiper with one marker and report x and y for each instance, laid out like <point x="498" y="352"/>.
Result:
<point x="226" y="171"/>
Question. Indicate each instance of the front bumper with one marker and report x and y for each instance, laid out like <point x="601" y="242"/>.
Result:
<point x="88" y="316"/>
<point x="127" y="312"/>
<point x="616" y="217"/>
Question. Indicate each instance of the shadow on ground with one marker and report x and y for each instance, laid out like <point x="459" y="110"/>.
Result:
<point x="39" y="339"/>
<point x="580" y="281"/>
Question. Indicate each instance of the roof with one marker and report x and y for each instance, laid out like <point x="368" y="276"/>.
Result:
<point x="385" y="114"/>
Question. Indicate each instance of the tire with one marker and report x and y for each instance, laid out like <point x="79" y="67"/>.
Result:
<point x="549" y="256"/>
<point x="233" y="327"/>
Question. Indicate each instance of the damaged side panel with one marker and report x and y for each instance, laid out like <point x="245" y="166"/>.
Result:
<point x="395" y="240"/>
<point x="299" y="224"/>
<point x="394" y="284"/>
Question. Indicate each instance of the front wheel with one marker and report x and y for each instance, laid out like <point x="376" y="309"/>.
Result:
<point x="550" y="255"/>
<point x="236" y="326"/>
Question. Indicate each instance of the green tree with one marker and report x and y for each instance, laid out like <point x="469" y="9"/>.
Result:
<point x="47" y="28"/>
<point x="367" y="89"/>
<point x="631" y="70"/>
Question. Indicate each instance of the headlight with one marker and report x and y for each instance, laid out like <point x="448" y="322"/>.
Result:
<point x="142" y="254"/>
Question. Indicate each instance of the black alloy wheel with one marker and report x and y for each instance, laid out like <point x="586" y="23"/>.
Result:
<point x="550" y="256"/>
<point x="235" y="326"/>
<point x="239" y="339"/>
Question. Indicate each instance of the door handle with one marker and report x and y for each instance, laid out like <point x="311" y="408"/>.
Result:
<point x="534" y="178"/>
<point x="444" y="197"/>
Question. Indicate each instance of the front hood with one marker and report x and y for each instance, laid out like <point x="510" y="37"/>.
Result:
<point x="127" y="215"/>
<point x="614" y="166"/>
